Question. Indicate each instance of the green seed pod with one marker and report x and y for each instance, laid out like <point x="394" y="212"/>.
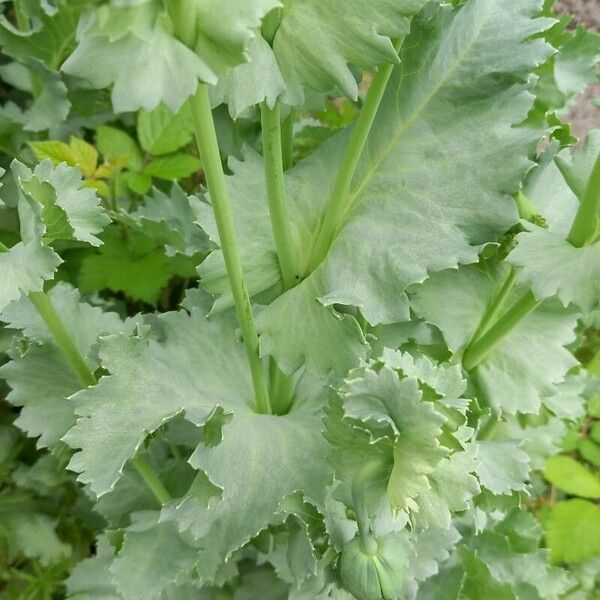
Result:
<point x="374" y="571"/>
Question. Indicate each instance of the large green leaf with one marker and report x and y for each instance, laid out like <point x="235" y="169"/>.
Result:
<point x="132" y="48"/>
<point x="547" y="261"/>
<point x="313" y="45"/>
<point x="434" y="180"/>
<point x="524" y="368"/>
<point x="251" y="461"/>
<point x="153" y="555"/>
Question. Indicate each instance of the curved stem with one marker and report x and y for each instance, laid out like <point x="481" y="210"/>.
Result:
<point x="487" y="342"/>
<point x="151" y="480"/>
<point x="340" y="200"/>
<point x="68" y="349"/>
<point x="211" y="161"/>
<point x="62" y="338"/>
<point x="278" y="210"/>
<point x="495" y="306"/>
<point x="586" y="220"/>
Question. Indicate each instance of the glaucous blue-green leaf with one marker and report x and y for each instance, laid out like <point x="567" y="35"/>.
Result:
<point x="28" y="531"/>
<point x="51" y="106"/>
<point x="525" y="366"/>
<point x="25" y="266"/>
<point x="422" y="189"/>
<point x="153" y="556"/>
<point x="249" y="462"/>
<point x="501" y="466"/>
<point x="312" y="46"/>
<point x="132" y="48"/>
<point x="251" y="478"/>
<point x="46" y="411"/>
<point x="384" y="419"/>
<point x="341" y="341"/>
<point x="70" y="210"/>
<point x="547" y="261"/>
<point x="500" y="560"/>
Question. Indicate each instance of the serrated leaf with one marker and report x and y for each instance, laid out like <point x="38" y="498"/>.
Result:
<point x="138" y="397"/>
<point x="135" y="265"/>
<point x="50" y="39"/>
<point x="573" y="531"/>
<point x="384" y="421"/>
<point x="154" y="66"/>
<point x="25" y="266"/>
<point x="525" y="366"/>
<point x="547" y="261"/>
<point x="400" y="197"/>
<point x="169" y="219"/>
<point x="115" y="144"/>
<point x="502" y="467"/>
<point x="57" y="152"/>
<point x="46" y="413"/>
<point x="153" y="555"/>
<point x="69" y="209"/>
<point x="52" y="105"/>
<point x="163" y="131"/>
<point x="29" y="532"/>
<point x="572" y="477"/>
<point x="342" y="341"/>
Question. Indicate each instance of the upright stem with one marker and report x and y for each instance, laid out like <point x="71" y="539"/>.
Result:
<point x="151" y="480"/>
<point x="182" y="13"/>
<point x="278" y="210"/>
<point x="211" y="161"/>
<point x="486" y="343"/>
<point x="586" y="221"/>
<point x="340" y="198"/>
<point x="69" y="350"/>
<point x="287" y="141"/>
<point x="62" y="337"/>
<point x="496" y="305"/>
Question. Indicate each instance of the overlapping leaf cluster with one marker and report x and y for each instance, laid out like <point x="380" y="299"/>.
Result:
<point x="421" y="369"/>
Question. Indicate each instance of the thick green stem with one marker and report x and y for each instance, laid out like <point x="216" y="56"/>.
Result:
<point x="496" y="306"/>
<point x="585" y="226"/>
<point x="67" y="347"/>
<point x="340" y="200"/>
<point x="183" y="17"/>
<point x="287" y="141"/>
<point x="151" y="480"/>
<point x="62" y="337"/>
<point x="488" y="341"/>
<point x="215" y="177"/>
<point x="278" y="210"/>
